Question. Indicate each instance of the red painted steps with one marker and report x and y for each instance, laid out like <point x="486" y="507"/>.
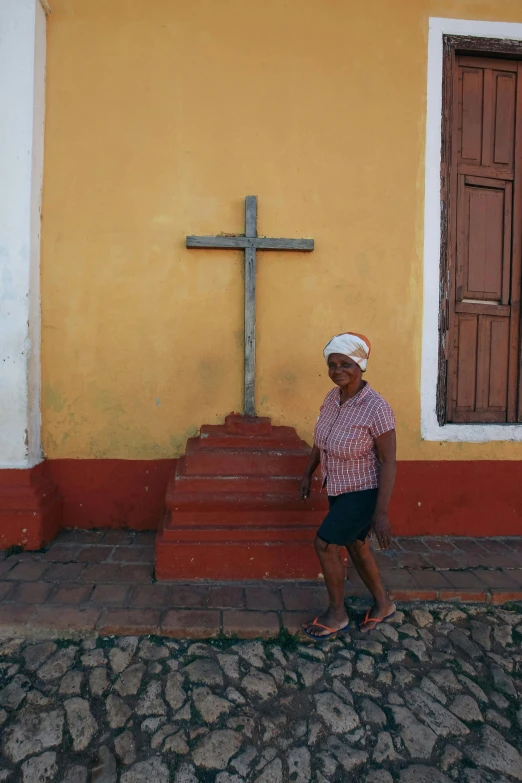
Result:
<point x="219" y="436"/>
<point x="232" y="508"/>
<point x="250" y="519"/>
<point x="242" y="481"/>
<point x="235" y="462"/>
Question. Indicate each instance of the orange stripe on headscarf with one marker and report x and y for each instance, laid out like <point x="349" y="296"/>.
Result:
<point x="364" y="339"/>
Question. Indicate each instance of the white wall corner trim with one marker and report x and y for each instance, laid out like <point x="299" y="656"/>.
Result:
<point x="22" y="110"/>
<point x="430" y="428"/>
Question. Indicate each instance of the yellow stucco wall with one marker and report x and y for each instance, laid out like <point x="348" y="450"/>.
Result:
<point x="161" y="116"/>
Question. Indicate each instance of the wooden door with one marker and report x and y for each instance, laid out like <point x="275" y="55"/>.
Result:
<point x="484" y="241"/>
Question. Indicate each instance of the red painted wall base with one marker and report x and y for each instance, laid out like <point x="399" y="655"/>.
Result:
<point x="30" y="508"/>
<point x="481" y="498"/>
<point x="431" y="498"/>
<point x="111" y="493"/>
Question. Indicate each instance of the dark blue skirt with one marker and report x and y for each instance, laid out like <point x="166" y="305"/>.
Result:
<point x="350" y="517"/>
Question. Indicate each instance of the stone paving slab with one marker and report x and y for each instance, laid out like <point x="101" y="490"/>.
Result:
<point x="433" y="696"/>
<point x="103" y="581"/>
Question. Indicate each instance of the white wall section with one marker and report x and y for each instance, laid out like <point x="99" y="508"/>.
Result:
<point x="430" y="428"/>
<point x="22" y="107"/>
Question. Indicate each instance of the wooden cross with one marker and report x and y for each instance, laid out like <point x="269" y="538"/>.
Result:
<point x="250" y="243"/>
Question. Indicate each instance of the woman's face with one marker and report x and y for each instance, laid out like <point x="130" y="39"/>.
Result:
<point x="342" y="370"/>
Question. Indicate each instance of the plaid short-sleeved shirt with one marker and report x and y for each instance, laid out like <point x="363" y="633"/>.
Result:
<point x="345" y="435"/>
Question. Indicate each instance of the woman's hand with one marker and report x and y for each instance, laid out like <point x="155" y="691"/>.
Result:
<point x="304" y="491"/>
<point x="382" y="529"/>
<point x="306" y="481"/>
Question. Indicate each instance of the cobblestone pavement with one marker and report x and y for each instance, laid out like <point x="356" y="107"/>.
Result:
<point x="430" y="697"/>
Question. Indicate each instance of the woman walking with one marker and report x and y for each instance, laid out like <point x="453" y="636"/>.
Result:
<point x="354" y="442"/>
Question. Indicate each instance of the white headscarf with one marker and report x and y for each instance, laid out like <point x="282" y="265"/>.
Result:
<point x="356" y="346"/>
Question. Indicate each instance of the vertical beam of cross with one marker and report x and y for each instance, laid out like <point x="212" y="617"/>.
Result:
<point x="250" y="307"/>
<point x="250" y="243"/>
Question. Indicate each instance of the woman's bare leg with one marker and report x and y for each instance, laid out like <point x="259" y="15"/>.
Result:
<point x="362" y="557"/>
<point x="334" y="574"/>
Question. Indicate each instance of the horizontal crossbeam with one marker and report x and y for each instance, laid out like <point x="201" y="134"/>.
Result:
<point x="259" y="243"/>
<point x="264" y="243"/>
<point x="240" y="242"/>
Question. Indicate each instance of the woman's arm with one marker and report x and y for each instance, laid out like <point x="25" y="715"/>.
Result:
<point x="386" y="448"/>
<point x="315" y="459"/>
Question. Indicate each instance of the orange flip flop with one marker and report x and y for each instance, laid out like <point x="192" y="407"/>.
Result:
<point x="333" y="632"/>
<point x="376" y="620"/>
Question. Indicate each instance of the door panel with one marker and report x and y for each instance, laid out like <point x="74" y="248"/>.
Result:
<point x="484" y="282"/>
<point x="504" y="128"/>
<point x="467" y="363"/>
<point x="471" y="110"/>
<point x="499" y="361"/>
<point x="480" y="248"/>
